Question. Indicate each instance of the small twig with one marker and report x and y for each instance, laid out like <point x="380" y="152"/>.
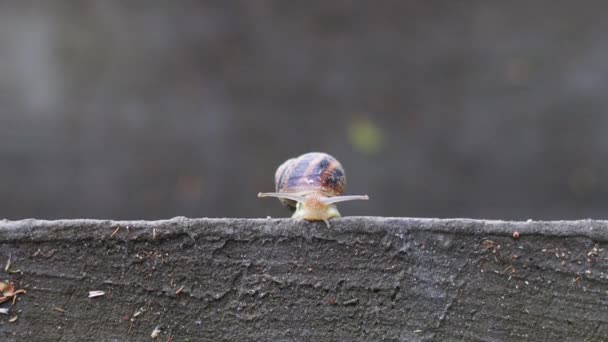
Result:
<point x="132" y="320"/>
<point x="115" y="231"/>
<point x="49" y="253"/>
<point x="56" y="308"/>
<point x="8" y="263"/>
<point x="46" y="255"/>
<point x="7" y="268"/>
<point x="171" y="281"/>
<point x="179" y="290"/>
<point x="15" y="295"/>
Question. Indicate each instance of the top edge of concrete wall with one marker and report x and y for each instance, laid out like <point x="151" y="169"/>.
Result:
<point x="44" y="229"/>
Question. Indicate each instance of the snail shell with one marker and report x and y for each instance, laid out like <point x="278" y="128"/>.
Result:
<point x="311" y="184"/>
<point x="310" y="172"/>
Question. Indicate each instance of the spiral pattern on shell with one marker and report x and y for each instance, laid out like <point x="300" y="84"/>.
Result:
<point x="310" y="172"/>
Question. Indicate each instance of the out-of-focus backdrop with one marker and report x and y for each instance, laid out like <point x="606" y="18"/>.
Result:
<point x="139" y="109"/>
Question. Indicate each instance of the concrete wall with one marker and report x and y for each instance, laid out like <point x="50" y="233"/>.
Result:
<point x="367" y="278"/>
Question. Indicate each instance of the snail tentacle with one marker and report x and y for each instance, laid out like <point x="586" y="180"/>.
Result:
<point x="331" y="200"/>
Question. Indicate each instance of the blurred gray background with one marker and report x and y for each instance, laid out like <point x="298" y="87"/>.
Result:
<point x="139" y="109"/>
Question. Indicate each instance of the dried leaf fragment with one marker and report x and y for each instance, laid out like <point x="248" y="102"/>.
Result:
<point x="137" y="313"/>
<point x="155" y="332"/>
<point x="8" y="292"/>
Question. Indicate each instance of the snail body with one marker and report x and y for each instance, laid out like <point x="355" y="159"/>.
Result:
<point x="311" y="184"/>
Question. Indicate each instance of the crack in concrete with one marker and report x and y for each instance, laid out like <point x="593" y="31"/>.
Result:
<point x="452" y="298"/>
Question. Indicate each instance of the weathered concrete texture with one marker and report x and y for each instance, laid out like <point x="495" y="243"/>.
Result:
<point x="364" y="279"/>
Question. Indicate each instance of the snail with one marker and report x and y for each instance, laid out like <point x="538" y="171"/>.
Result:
<point x="311" y="185"/>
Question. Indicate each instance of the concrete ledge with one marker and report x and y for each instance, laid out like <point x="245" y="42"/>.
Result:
<point x="367" y="278"/>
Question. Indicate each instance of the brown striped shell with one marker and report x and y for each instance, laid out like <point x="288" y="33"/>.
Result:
<point x="310" y="172"/>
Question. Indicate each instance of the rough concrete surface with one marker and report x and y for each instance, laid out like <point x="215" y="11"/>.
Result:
<point x="366" y="278"/>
